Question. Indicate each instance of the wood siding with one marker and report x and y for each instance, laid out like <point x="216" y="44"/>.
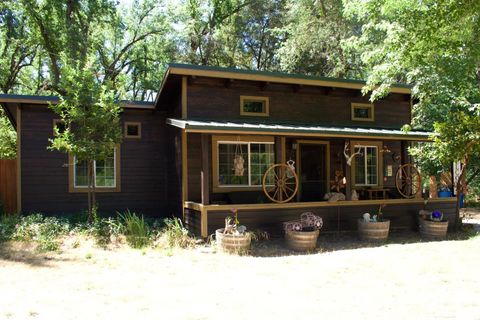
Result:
<point x="143" y="168"/>
<point x="8" y="186"/>
<point x="211" y="99"/>
<point x="335" y="218"/>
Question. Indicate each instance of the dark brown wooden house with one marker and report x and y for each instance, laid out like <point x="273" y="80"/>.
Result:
<point x="203" y="147"/>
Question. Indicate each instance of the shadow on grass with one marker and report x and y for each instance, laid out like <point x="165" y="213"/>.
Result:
<point x="332" y="241"/>
<point x="25" y="253"/>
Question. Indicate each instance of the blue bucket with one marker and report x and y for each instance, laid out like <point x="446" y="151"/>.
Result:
<point x="444" y="194"/>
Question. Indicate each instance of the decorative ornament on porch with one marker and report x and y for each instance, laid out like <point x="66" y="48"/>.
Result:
<point x="302" y="235"/>
<point x="350" y="157"/>
<point x="409" y="181"/>
<point x="280" y="183"/>
<point x="339" y="181"/>
<point x="234" y="237"/>
<point x="238" y="161"/>
<point x="373" y="228"/>
<point x="432" y="225"/>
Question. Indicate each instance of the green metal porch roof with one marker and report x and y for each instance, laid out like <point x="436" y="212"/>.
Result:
<point x="239" y="127"/>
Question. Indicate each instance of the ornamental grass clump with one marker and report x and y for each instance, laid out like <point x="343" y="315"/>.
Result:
<point x="174" y="235"/>
<point x="136" y="229"/>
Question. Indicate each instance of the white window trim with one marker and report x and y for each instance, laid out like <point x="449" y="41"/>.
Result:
<point x="95" y="173"/>
<point x="248" y="143"/>
<point x="365" y="166"/>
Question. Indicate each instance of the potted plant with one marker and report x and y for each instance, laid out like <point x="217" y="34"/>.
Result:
<point x="234" y="238"/>
<point x="432" y="225"/>
<point x="374" y="228"/>
<point x="302" y="235"/>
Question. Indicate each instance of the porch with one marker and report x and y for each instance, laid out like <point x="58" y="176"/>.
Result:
<point x="348" y="161"/>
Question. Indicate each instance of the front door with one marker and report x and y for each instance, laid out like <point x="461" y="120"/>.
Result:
<point x="313" y="168"/>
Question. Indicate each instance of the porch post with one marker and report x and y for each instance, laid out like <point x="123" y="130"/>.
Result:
<point x="348" y="176"/>
<point x="205" y="174"/>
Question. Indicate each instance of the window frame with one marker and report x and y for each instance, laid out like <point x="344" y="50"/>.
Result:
<point x="132" y="123"/>
<point x="216" y="140"/>
<point x="379" y="146"/>
<point x="80" y="189"/>
<point x="264" y="100"/>
<point x="369" y="106"/>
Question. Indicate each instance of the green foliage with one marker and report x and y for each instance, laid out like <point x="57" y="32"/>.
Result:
<point x="136" y="230"/>
<point x="175" y="235"/>
<point x="315" y="40"/>
<point x="44" y="231"/>
<point x="103" y="230"/>
<point x="8" y="138"/>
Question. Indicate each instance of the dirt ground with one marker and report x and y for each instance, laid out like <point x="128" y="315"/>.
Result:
<point x="406" y="278"/>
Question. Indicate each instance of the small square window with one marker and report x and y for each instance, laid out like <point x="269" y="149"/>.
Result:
<point x="58" y="126"/>
<point x="133" y="130"/>
<point x="254" y="106"/>
<point x="363" y="112"/>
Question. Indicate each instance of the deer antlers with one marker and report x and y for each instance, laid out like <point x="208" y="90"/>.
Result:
<point x="349" y="158"/>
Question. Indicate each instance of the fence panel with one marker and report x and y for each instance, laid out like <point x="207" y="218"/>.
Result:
<point x="8" y="185"/>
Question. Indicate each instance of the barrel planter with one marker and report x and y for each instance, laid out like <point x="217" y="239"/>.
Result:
<point x="302" y="240"/>
<point x="373" y="231"/>
<point x="433" y="229"/>
<point x="233" y="243"/>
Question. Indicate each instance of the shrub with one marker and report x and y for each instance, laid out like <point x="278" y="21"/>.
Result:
<point x="43" y="231"/>
<point x="104" y="229"/>
<point x="175" y="235"/>
<point x="136" y="230"/>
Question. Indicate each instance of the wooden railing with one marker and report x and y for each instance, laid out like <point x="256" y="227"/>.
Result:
<point x="8" y="186"/>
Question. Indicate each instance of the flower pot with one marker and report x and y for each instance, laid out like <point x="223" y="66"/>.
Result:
<point x="302" y="240"/>
<point x="433" y="229"/>
<point x="233" y="243"/>
<point x="444" y="194"/>
<point x="373" y="231"/>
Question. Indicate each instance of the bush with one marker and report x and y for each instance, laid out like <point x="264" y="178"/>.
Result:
<point x="44" y="231"/>
<point x="136" y="230"/>
<point x="175" y="235"/>
<point x="104" y="229"/>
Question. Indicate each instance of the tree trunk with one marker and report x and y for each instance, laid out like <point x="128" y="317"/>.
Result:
<point x="89" y="194"/>
<point x="433" y="192"/>
<point x="459" y="190"/>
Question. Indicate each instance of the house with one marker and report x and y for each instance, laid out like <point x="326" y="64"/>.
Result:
<point x="203" y="147"/>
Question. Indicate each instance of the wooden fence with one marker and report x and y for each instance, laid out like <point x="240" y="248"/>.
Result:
<point x="8" y="185"/>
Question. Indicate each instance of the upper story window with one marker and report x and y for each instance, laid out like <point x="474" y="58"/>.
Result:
<point x="133" y="130"/>
<point x="363" y="112"/>
<point x="254" y="106"/>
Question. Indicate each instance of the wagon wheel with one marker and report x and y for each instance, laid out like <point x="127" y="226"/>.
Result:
<point x="408" y="181"/>
<point x="280" y="183"/>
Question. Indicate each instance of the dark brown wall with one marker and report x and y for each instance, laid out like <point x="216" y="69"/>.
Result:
<point x="211" y="99"/>
<point x="402" y="216"/>
<point x="143" y="168"/>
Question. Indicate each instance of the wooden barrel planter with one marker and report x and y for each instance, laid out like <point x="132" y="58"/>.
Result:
<point x="373" y="231"/>
<point x="232" y="243"/>
<point x="433" y="229"/>
<point x="302" y="240"/>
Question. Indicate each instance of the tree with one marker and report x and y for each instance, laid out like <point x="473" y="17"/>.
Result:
<point x="8" y="138"/>
<point x="432" y="45"/>
<point x="316" y="33"/>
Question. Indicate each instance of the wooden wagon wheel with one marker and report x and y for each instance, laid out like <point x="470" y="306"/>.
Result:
<point x="408" y="181"/>
<point x="284" y="185"/>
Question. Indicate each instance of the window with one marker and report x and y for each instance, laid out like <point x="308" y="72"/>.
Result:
<point x="254" y="106"/>
<point x="363" y="112"/>
<point x="133" y="130"/>
<point x="58" y="124"/>
<point x="106" y="174"/>
<point x="366" y="166"/>
<point x="257" y="157"/>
